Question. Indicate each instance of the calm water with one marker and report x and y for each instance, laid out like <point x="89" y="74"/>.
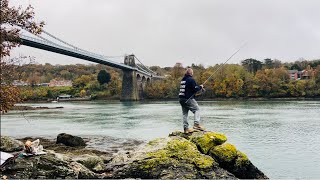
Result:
<point x="282" y="138"/>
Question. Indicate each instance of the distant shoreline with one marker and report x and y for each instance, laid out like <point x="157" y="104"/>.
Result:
<point x="198" y="99"/>
<point x="23" y="108"/>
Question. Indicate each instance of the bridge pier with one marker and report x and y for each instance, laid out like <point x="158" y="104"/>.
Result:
<point x="130" y="88"/>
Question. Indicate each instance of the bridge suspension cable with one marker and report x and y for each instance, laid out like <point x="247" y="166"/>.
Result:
<point x="145" y="66"/>
<point x="71" y="48"/>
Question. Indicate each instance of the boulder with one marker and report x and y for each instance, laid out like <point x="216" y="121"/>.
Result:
<point x="207" y="140"/>
<point x="9" y="144"/>
<point x="47" y="166"/>
<point x="70" y="140"/>
<point x="225" y="154"/>
<point x="92" y="162"/>
<point x="169" y="158"/>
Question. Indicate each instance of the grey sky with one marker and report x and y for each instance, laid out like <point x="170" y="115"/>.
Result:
<point x="163" y="32"/>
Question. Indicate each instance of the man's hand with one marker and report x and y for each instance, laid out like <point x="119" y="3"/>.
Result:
<point x="202" y="88"/>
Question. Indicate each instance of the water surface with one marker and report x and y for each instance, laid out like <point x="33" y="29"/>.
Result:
<point x="282" y="138"/>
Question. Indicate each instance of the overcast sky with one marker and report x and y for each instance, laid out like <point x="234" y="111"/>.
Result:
<point x="163" y="32"/>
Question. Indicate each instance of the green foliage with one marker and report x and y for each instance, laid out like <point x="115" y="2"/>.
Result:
<point x="103" y="77"/>
<point x="44" y="93"/>
<point x="252" y="65"/>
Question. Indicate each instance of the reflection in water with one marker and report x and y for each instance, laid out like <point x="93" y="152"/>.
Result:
<point x="281" y="137"/>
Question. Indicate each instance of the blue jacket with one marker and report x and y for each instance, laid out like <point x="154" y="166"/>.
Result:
<point x="188" y="87"/>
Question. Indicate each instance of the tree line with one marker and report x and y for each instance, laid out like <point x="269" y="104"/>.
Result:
<point x="250" y="79"/>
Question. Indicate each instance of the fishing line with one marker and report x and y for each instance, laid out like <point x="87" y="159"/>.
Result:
<point x="244" y="44"/>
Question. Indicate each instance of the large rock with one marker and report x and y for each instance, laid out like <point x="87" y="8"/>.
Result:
<point x="48" y="166"/>
<point x="170" y="158"/>
<point x="70" y="140"/>
<point x="225" y="154"/>
<point x="9" y="144"/>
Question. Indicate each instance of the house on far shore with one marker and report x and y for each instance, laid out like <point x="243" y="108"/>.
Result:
<point x="307" y="74"/>
<point x="294" y="74"/>
<point x="54" y="83"/>
<point x="297" y="75"/>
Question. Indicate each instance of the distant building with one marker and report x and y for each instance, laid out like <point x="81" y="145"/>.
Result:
<point x="307" y="74"/>
<point x="54" y="83"/>
<point x="44" y="84"/>
<point x="304" y="74"/>
<point x="20" y="83"/>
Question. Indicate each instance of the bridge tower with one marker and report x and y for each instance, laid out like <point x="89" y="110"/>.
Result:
<point x="130" y="87"/>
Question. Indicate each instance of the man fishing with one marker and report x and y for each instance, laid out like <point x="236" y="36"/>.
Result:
<point x="188" y="88"/>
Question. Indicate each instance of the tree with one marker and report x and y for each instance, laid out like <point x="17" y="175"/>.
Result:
<point x="103" y="77"/>
<point x="10" y="18"/>
<point x="177" y="71"/>
<point x="268" y="64"/>
<point x="252" y="65"/>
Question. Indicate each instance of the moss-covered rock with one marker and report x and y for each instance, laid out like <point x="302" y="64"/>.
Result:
<point x="207" y="140"/>
<point x="243" y="168"/>
<point x="235" y="162"/>
<point x="197" y="155"/>
<point x="177" y="150"/>
<point x="9" y="144"/>
<point x="224" y="154"/>
<point x="179" y="158"/>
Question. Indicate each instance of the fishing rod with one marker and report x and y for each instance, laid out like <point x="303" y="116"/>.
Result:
<point x="244" y="44"/>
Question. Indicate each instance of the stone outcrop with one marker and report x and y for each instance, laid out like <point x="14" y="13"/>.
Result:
<point x="170" y="158"/>
<point x="70" y="140"/>
<point x="9" y="144"/>
<point x="48" y="166"/>
<point x="200" y="155"/>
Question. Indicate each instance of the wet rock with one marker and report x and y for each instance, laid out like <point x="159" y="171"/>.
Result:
<point x="92" y="162"/>
<point x="82" y="172"/>
<point x="70" y="140"/>
<point x="9" y="144"/>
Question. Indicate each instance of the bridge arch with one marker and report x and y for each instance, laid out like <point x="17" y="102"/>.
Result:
<point x="138" y="77"/>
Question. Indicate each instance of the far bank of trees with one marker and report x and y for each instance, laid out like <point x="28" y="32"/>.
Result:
<point x="251" y="79"/>
<point x="97" y="81"/>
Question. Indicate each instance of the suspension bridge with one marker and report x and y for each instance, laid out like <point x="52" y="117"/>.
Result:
<point x="136" y="76"/>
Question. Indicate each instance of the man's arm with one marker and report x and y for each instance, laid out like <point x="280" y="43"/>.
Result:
<point x="195" y="87"/>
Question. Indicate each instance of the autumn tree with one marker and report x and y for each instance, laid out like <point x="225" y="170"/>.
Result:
<point x="177" y="71"/>
<point x="103" y="77"/>
<point x="252" y="65"/>
<point x="10" y="19"/>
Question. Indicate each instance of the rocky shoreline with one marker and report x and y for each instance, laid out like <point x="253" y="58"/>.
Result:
<point x="200" y="155"/>
<point x="24" y="108"/>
